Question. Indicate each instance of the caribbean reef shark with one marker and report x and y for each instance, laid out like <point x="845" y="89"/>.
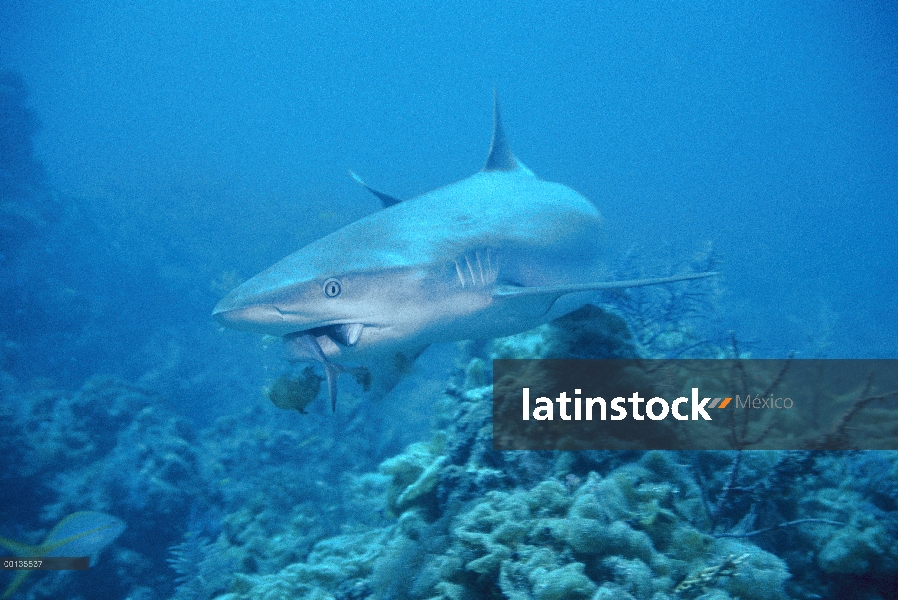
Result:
<point x="492" y="255"/>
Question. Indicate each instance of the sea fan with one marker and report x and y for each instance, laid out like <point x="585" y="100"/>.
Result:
<point x="202" y="567"/>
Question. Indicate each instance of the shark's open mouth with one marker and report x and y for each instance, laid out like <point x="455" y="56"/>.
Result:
<point x="319" y="343"/>
<point x="345" y="334"/>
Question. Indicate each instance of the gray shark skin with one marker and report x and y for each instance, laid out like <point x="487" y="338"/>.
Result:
<point x="492" y="255"/>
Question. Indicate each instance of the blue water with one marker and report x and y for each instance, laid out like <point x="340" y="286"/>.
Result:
<point x="186" y="146"/>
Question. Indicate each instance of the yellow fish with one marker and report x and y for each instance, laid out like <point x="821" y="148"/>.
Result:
<point x="79" y="534"/>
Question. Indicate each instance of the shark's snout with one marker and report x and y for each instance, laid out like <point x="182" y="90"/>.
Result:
<point x="259" y="317"/>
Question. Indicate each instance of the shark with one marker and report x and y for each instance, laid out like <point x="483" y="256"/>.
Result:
<point x="498" y="253"/>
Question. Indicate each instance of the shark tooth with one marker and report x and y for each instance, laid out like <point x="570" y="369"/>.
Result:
<point x="349" y="333"/>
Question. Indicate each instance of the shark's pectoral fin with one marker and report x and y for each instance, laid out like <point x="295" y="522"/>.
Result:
<point x="553" y="292"/>
<point x="387" y="370"/>
<point x="385" y="199"/>
<point x="525" y="305"/>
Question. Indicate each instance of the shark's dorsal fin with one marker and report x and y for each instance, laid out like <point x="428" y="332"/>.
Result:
<point x="501" y="158"/>
<point x="385" y="199"/>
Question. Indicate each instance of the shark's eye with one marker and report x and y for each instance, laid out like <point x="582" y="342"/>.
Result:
<point x="332" y="288"/>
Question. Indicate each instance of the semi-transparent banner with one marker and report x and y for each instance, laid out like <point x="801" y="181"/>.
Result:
<point x="793" y="404"/>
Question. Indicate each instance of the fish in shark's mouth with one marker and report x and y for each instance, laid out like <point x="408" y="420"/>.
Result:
<point x="314" y="344"/>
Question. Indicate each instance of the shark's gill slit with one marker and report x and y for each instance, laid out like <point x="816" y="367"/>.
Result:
<point x="461" y="276"/>
<point x="471" y="270"/>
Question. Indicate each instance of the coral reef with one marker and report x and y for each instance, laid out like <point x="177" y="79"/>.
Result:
<point x="275" y="504"/>
<point x="474" y="523"/>
<point x="636" y="532"/>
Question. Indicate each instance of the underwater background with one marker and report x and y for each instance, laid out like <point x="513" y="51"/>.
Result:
<point x="155" y="155"/>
